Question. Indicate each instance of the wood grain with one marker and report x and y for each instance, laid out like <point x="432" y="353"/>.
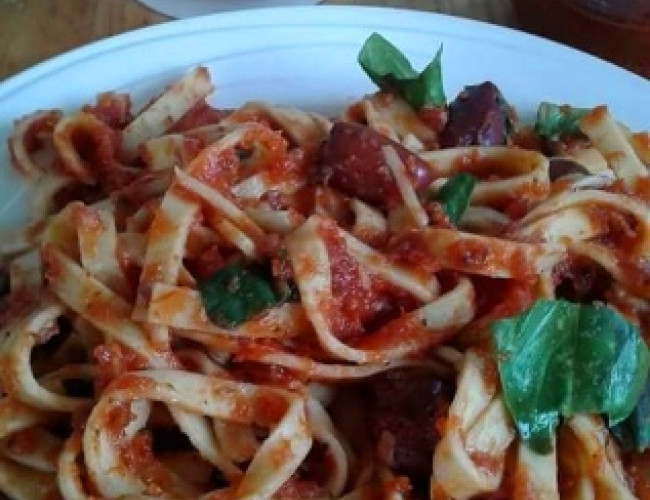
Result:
<point x="34" y="30"/>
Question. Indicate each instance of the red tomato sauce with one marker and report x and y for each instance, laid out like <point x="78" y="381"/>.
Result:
<point x="113" y="360"/>
<point x="434" y="118"/>
<point x="112" y="109"/>
<point x="37" y="134"/>
<point x="296" y="489"/>
<point x="637" y="466"/>
<point x="354" y="306"/>
<point x="139" y="459"/>
<point x="519" y="201"/>
<point x="477" y="256"/>
<point x="620" y="230"/>
<point x="500" y="298"/>
<point x="265" y="374"/>
<point x="200" y="115"/>
<point x="269" y="409"/>
<point x="402" y="332"/>
<point x="410" y="249"/>
<point x="97" y="145"/>
<point x="23" y="442"/>
<point x="216" y="168"/>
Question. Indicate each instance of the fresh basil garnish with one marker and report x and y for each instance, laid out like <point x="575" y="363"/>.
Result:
<point x="235" y="293"/>
<point x="455" y="194"/>
<point x="633" y="433"/>
<point x="560" y="359"/>
<point x="554" y="121"/>
<point x="391" y="70"/>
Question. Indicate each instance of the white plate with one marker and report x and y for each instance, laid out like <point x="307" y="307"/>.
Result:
<point x="307" y="57"/>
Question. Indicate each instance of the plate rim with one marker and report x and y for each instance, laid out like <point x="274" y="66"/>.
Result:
<point x="344" y="15"/>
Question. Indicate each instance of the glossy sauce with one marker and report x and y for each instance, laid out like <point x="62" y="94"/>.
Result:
<point x="113" y="109"/>
<point x="139" y="459"/>
<point x="355" y="305"/>
<point x="612" y="29"/>
<point x="637" y="466"/>
<point x="113" y="360"/>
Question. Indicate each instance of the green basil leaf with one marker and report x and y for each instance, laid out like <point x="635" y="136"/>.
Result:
<point x="235" y="293"/>
<point x="560" y="359"/>
<point x="634" y="432"/>
<point x="554" y="121"/>
<point x="427" y="88"/>
<point x="455" y="194"/>
<point x="381" y="60"/>
<point x="389" y="69"/>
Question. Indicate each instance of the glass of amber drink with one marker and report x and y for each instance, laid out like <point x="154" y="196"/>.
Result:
<point x="616" y="30"/>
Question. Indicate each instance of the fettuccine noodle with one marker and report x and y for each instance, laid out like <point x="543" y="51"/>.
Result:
<point x="371" y="378"/>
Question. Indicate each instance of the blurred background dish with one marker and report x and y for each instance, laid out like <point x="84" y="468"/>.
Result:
<point x="190" y="8"/>
<point x="617" y="30"/>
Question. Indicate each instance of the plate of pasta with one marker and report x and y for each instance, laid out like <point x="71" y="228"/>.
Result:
<point x="332" y="253"/>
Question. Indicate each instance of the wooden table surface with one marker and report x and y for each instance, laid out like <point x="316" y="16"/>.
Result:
<point x="34" y="30"/>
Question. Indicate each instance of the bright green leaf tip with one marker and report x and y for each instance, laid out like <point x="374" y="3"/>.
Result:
<point x="390" y="70"/>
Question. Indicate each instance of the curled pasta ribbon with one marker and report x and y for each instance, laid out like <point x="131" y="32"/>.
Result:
<point x="16" y="416"/>
<point x="535" y="476"/>
<point x="325" y="432"/>
<point x="590" y="461"/>
<point x="166" y="241"/>
<point x="232" y="222"/>
<point x="35" y="448"/>
<point x="20" y="337"/>
<point x="180" y="307"/>
<point x="205" y="183"/>
<point x="315" y="370"/>
<point x="25" y="273"/>
<point x="167" y="109"/>
<point x="100" y="306"/>
<point x="69" y="475"/>
<point x="259" y="147"/>
<point x="412" y="204"/>
<point x="98" y="286"/>
<point x="111" y="315"/>
<point x="247" y="162"/>
<point x="566" y="220"/>
<point x="391" y="116"/>
<point x="25" y="141"/>
<point x="89" y="235"/>
<point x="25" y="483"/>
<point x="305" y="130"/>
<point x="611" y="141"/>
<point x="278" y="457"/>
<point x="179" y="149"/>
<point x="470" y="458"/>
<point x="73" y="135"/>
<point x="369" y="223"/>
<point x="488" y="256"/>
<point x="424" y="327"/>
<point x="524" y="174"/>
